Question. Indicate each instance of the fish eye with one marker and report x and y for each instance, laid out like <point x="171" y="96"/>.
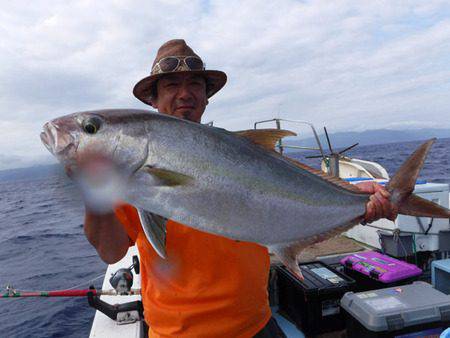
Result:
<point x="91" y="125"/>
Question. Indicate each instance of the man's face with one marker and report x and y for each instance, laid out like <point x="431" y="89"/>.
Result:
<point x="181" y="95"/>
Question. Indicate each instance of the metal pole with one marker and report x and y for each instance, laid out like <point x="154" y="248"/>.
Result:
<point x="280" y="144"/>
<point x="334" y="165"/>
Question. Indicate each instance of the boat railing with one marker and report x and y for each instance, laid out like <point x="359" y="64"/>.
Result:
<point x="282" y="145"/>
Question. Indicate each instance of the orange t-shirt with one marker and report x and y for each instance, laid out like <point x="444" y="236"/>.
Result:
<point x="208" y="286"/>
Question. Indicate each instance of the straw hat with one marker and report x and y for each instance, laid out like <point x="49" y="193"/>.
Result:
<point x="174" y="57"/>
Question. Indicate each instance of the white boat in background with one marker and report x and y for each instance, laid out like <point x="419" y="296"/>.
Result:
<point x="352" y="168"/>
<point x="347" y="167"/>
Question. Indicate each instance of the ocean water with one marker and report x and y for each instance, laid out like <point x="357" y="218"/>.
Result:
<point x="43" y="247"/>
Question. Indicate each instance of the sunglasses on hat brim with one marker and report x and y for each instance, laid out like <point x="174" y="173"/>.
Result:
<point x="174" y="63"/>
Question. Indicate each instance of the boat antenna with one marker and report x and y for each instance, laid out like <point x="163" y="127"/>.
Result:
<point x="332" y="159"/>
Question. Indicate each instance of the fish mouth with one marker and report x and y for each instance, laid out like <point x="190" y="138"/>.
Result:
<point x="58" y="142"/>
<point x="46" y="140"/>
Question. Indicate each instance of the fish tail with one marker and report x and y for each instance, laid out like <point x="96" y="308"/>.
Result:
<point x="402" y="185"/>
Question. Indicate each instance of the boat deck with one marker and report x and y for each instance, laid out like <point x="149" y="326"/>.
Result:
<point x="105" y="327"/>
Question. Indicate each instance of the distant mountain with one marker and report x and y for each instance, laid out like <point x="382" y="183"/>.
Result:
<point x="377" y="136"/>
<point x="41" y="171"/>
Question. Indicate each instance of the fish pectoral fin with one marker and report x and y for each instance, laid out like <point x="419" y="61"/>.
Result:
<point x="154" y="227"/>
<point x="267" y="138"/>
<point x="288" y="255"/>
<point x="167" y="177"/>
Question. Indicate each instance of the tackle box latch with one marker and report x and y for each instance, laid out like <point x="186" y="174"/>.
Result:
<point x="395" y="322"/>
<point x="445" y="313"/>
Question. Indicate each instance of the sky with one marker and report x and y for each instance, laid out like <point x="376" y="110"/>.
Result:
<point x="349" y="65"/>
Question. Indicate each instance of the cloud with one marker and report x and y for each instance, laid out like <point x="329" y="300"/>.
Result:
<point x="345" y="64"/>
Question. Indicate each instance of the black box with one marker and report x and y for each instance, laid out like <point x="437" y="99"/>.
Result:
<point x="313" y="304"/>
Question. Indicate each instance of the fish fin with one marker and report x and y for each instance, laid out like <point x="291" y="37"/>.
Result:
<point x="167" y="177"/>
<point x="154" y="227"/>
<point x="267" y="138"/>
<point x="403" y="182"/>
<point x="414" y="205"/>
<point x="288" y="255"/>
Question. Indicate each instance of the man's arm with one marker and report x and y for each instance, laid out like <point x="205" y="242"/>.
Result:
<point x="107" y="235"/>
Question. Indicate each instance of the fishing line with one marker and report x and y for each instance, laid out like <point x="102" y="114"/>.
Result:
<point x="86" y="282"/>
<point x="402" y="231"/>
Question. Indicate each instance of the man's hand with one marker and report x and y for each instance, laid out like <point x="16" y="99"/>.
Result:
<point x="100" y="182"/>
<point x="379" y="205"/>
<point x="101" y="186"/>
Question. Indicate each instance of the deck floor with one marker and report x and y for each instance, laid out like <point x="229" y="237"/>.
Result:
<point x="333" y="246"/>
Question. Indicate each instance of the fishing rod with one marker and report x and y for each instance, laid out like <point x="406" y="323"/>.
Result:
<point x="13" y="293"/>
<point x="121" y="281"/>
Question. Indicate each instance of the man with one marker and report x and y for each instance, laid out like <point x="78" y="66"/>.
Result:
<point x="208" y="286"/>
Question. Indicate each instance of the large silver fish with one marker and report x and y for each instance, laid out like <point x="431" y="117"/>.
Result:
<point x="222" y="182"/>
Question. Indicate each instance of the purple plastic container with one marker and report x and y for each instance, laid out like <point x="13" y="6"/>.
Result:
<point x="380" y="267"/>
